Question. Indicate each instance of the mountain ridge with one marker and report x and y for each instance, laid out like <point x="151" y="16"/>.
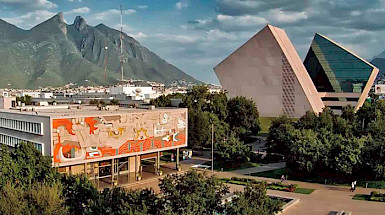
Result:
<point x="54" y="53"/>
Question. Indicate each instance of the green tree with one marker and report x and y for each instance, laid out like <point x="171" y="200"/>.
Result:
<point x="79" y="193"/>
<point x="25" y="165"/>
<point x="192" y="193"/>
<point x="243" y="116"/>
<point x="162" y="101"/>
<point x="37" y="199"/>
<point x="253" y="200"/>
<point x="280" y="133"/>
<point x="305" y="150"/>
<point x="233" y="151"/>
<point x="120" y="201"/>
<point x="217" y="104"/>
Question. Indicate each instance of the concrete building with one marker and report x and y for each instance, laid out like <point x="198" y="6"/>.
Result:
<point x="7" y="102"/>
<point x="135" y="93"/>
<point x="104" y="143"/>
<point x="268" y="70"/>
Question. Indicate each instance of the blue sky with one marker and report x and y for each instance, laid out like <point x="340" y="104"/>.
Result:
<point x="195" y="35"/>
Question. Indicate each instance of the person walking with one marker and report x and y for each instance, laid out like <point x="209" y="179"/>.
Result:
<point x="352" y="187"/>
<point x="355" y="185"/>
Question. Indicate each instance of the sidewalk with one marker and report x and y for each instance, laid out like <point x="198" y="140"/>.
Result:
<point x="262" y="168"/>
<point x="323" y="200"/>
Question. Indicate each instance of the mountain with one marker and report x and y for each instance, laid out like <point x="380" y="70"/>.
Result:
<point x="55" y="53"/>
<point x="380" y="64"/>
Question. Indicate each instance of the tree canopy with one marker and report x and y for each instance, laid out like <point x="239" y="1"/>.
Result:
<point x="349" y="144"/>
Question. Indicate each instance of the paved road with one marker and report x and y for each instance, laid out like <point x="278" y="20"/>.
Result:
<point x="262" y="168"/>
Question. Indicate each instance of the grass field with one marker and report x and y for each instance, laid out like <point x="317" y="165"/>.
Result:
<point x="300" y="190"/>
<point x="225" y="166"/>
<point x="266" y="121"/>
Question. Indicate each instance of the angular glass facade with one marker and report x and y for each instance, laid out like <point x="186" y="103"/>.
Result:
<point x="334" y="69"/>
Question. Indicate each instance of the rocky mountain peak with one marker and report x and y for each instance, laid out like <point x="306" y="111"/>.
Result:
<point x="80" y="23"/>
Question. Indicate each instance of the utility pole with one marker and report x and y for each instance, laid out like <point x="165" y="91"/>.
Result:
<point x="121" y="41"/>
<point x="212" y="149"/>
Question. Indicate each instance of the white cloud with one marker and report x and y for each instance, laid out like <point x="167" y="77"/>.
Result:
<point x="138" y="36"/>
<point x="279" y="16"/>
<point x="30" y="4"/>
<point x="216" y="34"/>
<point x="142" y="6"/>
<point x="81" y="10"/>
<point x="113" y="12"/>
<point x="75" y="0"/>
<point x="183" y="39"/>
<point x="181" y="4"/>
<point x="30" y="19"/>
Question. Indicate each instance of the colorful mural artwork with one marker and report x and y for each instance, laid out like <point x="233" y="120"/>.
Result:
<point x="87" y="138"/>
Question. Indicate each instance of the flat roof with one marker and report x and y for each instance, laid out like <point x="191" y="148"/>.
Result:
<point x="80" y="110"/>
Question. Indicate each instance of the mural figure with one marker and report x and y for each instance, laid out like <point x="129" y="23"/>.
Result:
<point x="85" y="138"/>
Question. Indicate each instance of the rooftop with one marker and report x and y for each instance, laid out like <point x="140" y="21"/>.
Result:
<point x="79" y="110"/>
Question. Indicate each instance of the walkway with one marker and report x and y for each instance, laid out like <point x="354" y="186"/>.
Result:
<point x="323" y="200"/>
<point x="262" y="168"/>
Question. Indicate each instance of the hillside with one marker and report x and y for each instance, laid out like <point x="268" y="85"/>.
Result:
<point x="55" y="53"/>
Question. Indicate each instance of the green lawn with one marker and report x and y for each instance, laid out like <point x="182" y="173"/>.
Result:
<point x="361" y="197"/>
<point x="265" y="122"/>
<point x="270" y="186"/>
<point x="275" y="173"/>
<point x="225" y="166"/>
<point x="303" y="190"/>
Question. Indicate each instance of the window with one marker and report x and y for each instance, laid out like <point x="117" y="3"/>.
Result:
<point x="24" y="126"/>
<point x="14" y="141"/>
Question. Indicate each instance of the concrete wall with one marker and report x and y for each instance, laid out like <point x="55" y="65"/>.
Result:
<point x="266" y="70"/>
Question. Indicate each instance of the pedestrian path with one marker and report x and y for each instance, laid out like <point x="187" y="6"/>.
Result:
<point x="262" y="168"/>
<point x="323" y="200"/>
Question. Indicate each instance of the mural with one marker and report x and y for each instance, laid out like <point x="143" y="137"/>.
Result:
<point x="87" y="138"/>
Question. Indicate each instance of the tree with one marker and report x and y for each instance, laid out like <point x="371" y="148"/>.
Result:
<point x="305" y="150"/>
<point x="161" y="101"/>
<point x="25" y="165"/>
<point x="120" y="201"/>
<point x="233" y="151"/>
<point x="253" y="200"/>
<point x="217" y="104"/>
<point x="280" y="133"/>
<point x="199" y="128"/>
<point x="79" y="193"/>
<point x="243" y="116"/>
<point x="37" y="199"/>
<point x="196" y="98"/>
<point x="192" y="193"/>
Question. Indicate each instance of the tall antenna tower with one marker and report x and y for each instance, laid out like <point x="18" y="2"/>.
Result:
<point x="105" y="60"/>
<point x="121" y="41"/>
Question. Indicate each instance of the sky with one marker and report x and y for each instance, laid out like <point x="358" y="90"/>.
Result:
<point x="196" y="35"/>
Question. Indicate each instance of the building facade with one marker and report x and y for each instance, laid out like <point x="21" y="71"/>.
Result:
<point x="101" y="143"/>
<point x="341" y="77"/>
<point x="268" y="70"/>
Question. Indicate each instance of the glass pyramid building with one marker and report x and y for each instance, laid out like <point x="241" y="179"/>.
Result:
<point x="268" y="70"/>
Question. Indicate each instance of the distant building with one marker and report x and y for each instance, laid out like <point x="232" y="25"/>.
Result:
<point x="135" y="93"/>
<point x="268" y="70"/>
<point x="102" y="143"/>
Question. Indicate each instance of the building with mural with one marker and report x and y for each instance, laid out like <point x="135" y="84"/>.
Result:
<point x="268" y="69"/>
<point x="101" y="142"/>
